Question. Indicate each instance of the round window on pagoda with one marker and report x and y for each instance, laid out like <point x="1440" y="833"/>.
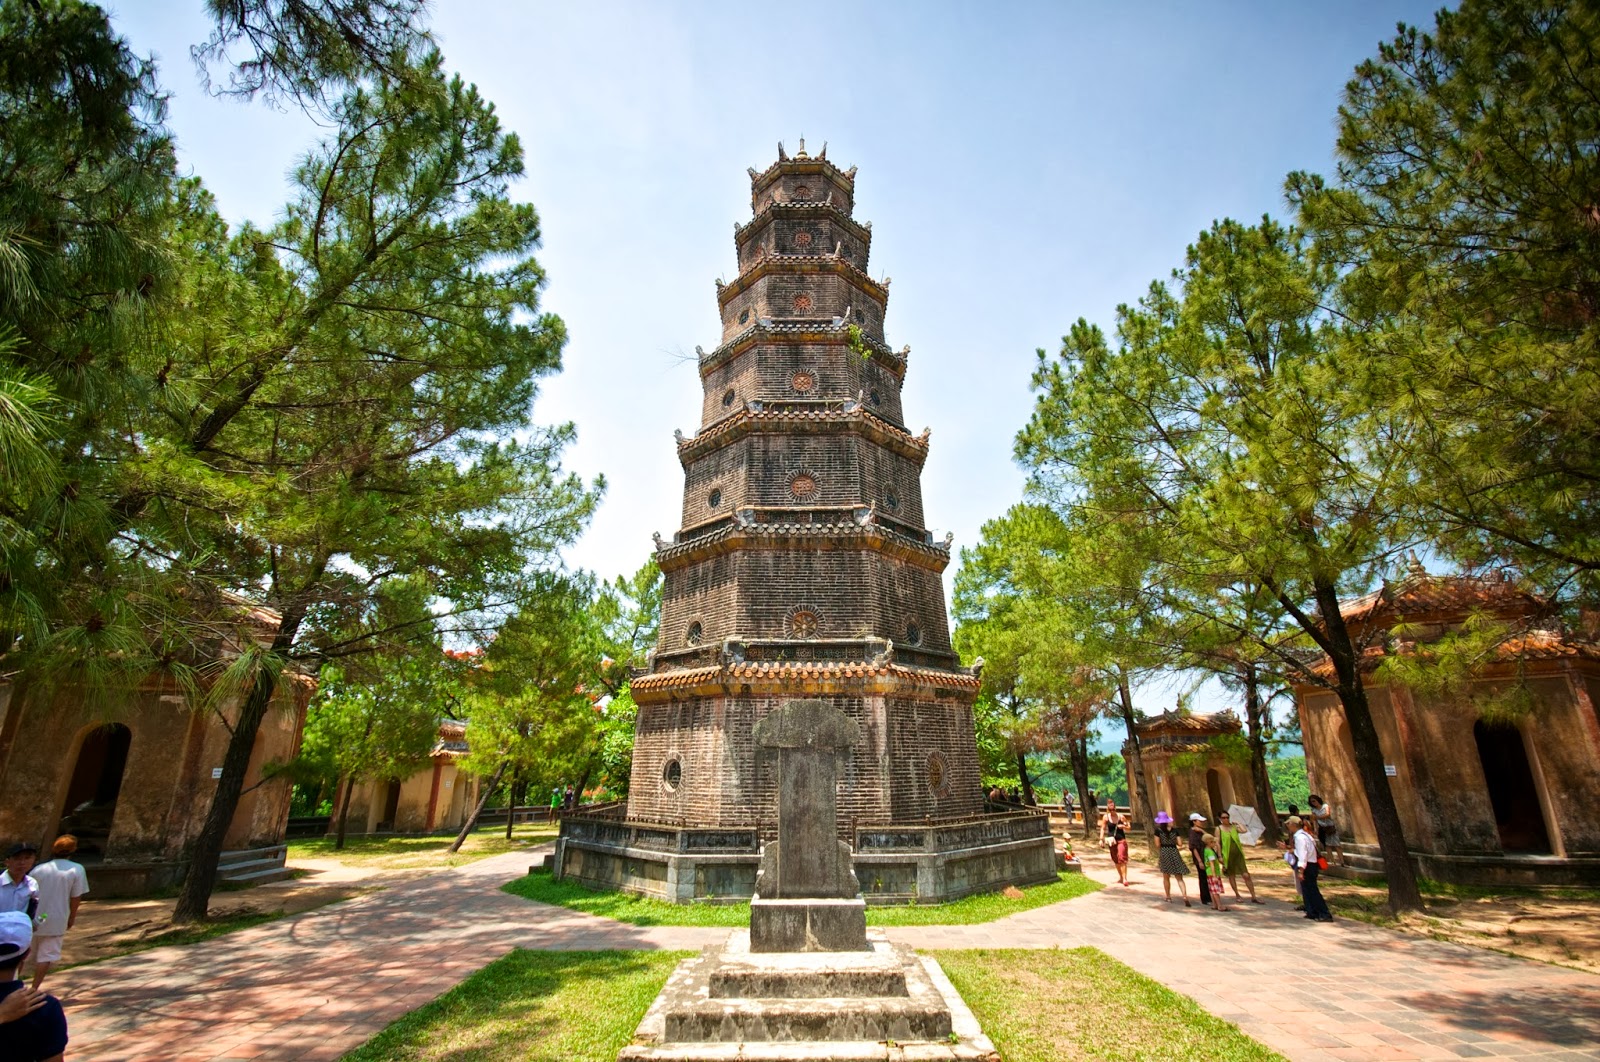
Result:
<point x="695" y="634"/>
<point x="804" y="381"/>
<point x="802" y="240"/>
<point x="802" y="191"/>
<point x="891" y="500"/>
<point x="727" y="398"/>
<point x="744" y="317"/>
<point x="804" y="623"/>
<point x="672" y="774"/>
<point x="874" y="397"/>
<point x="714" y="499"/>
<point x="803" y="485"/>
<point x="913" y="633"/>
<point x="938" y="774"/>
<point x="802" y="304"/>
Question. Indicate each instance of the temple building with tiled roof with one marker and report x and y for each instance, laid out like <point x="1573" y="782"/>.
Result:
<point x="1496" y="778"/>
<point x="803" y="567"/>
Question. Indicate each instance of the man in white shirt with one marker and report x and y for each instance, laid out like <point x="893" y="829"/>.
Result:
<point x="62" y="886"/>
<point x="1308" y="870"/>
<point x="18" y="890"/>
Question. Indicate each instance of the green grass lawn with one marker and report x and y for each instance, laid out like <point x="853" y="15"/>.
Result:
<point x="1082" y="1004"/>
<point x="541" y="1006"/>
<point x="531" y="1006"/>
<point x="427" y="850"/>
<point x="644" y="911"/>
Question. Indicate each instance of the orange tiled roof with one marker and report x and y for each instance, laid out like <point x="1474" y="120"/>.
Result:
<point x="1420" y="595"/>
<point x="1167" y="722"/>
<point x="1530" y="645"/>
<point x="802" y="670"/>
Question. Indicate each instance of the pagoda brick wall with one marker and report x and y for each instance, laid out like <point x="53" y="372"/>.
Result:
<point x="725" y="782"/>
<point x="765" y="373"/>
<point x="852" y="591"/>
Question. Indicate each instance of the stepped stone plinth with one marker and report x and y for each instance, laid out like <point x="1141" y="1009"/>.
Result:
<point x="882" y="1003"/>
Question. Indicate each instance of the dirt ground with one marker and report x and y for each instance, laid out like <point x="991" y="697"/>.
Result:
<point x="1555" y="926"/>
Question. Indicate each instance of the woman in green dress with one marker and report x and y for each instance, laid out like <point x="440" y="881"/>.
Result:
<point x="1233" y="862"/>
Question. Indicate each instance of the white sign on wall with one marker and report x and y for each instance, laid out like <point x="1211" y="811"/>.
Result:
<point x="1389" y="770"/>
<point x="216" y="772"/>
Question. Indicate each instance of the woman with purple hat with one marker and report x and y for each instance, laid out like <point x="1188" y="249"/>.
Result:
<point x="1169" y="859"/>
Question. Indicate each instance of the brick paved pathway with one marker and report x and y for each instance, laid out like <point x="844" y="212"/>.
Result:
<point x="1315" y="992"/>
<point x="313" y="986"/>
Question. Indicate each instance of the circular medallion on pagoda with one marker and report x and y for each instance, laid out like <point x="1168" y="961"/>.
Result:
<point x="803" y="622"/>
<point x="802" y="303"/>
<point x="891" y="500"/>
<point x="913" y="633"/>
<point x="803" y="485"/>
<point x="672" y="774"/>
<point x="802" y="191"/>
<point x="938" y="773"/>
<point x="802" y="240"/>
<point x="695" y="634"/>
<point x="804" y="381"/>
<point x="728" y="397"/>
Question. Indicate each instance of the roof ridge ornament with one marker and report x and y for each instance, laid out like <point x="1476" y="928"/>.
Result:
<point x="782" y="155"/>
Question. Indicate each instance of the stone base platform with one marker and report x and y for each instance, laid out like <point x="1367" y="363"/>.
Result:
<point x="894" y="864"/>
<point x="780" y="925"/>
<point x="865" y="1006"/>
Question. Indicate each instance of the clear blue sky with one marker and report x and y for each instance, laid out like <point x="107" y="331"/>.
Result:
<point x="1023" y="165"/>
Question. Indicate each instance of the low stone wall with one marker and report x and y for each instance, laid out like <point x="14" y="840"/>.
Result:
<point x="933" y="862"/>
<point x="1487" y="870"/>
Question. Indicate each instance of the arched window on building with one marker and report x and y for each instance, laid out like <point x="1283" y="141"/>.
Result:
<point x="1518" y="814"/>
<point x="91" y="801"/>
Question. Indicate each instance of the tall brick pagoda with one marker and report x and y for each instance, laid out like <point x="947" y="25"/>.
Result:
<point x="804" y="569"/>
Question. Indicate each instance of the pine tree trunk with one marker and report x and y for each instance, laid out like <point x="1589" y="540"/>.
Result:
<point x="1136" y="759"/>
<point x="1027" y="783"/>
<point x="483" y="798"/>
<point x="1255" y="725"/>
<point x="344" y="812"/>
<point x="1079" y="750"/>
<point x="1404" y="894"/>
<point x="511" y="805"/>
<point x="194" y="898"/>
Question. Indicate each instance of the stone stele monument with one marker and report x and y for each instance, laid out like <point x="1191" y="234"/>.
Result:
<point x="807" y="896"/>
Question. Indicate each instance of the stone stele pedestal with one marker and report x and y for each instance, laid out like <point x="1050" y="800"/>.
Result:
<point x="807" y="896"/>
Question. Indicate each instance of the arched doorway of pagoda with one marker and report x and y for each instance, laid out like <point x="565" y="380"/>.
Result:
<point x="1214" y="794"/>
<point x="1518" y="814"/>
<point x="91" y="802"/>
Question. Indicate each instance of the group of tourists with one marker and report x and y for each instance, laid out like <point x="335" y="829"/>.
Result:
<point x="38" y="904"/>
<point x="1219" y="857"/>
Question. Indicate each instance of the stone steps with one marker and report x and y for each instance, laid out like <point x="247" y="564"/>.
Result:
<point x="881" y="1005"/>
<point x="837" y="1051"/>
<point x="254" y="866"/>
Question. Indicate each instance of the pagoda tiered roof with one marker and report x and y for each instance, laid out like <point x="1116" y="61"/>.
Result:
<point x="813" y="330"/>
<point x="786" y="674"/>
<point x="791" y="264"/>
<point x="804" y="208"/>
<point x="772" y="526"/>
<point x="801" y="416"/>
